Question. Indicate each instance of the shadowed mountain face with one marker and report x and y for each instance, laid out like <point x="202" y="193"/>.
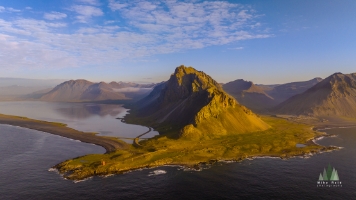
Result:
<point x="193" y="105"/>
<point x="249" y="95"/>
<point x="83" y="90"/>
<point x="334" y="96"/>
<point x="283" y="92"/>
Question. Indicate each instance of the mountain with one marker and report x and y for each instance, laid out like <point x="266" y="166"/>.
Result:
<point x="68" y="91"/>
<point x="334" y="96"/>
<point x="83" y="90"/>
<point x="283" y="92"/>
<point x="193" y="105"/>
<point x="249" y="95"/>
<point x="262" y="98"/>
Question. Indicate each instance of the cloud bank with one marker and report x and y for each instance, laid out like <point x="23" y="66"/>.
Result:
<point x="93" y="33"/>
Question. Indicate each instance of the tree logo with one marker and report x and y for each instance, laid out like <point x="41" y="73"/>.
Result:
<point x="329" y="178"/>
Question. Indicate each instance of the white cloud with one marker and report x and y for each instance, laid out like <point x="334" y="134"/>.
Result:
<point x="116" y="5"/>
<point x="12" y="9"/>
<point x="258" y="24"/>
<point x="145" y="29"/>
<point x="109" y="22"/>
<point x="2" y="9"/>
<point x="54" y="15"/>
<point x="86" y="12"/>
<point x="28" y="8"/>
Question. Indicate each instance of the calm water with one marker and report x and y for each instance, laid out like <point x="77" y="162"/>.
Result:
<point x="26" y="155"/>
<point x="100" y="118"/>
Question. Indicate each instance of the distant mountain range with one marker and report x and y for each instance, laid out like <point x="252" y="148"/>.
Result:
<point x="283" y="92"/>
<point x="193" y="105"/>
<point x="334" y="96"/>
<point x="83" y="90"/>
<point x="249" y="95"/>
<point x="262" y="98"/>
<point x="192" y="95"/>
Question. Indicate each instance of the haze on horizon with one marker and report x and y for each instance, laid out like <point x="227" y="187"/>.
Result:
<point x="143" y="41"/>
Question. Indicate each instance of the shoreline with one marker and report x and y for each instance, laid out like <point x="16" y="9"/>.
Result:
<point x="202" y="165"/>
<point x="108" y="143"/>
<point x="113" y="144"/>
<point x="135" y="141"/>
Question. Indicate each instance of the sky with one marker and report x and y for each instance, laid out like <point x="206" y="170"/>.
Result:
<point x="267" y="42"/>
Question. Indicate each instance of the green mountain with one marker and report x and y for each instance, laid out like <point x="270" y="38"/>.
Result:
<point x="193" y="105"/>
<point x="334" y="96"/>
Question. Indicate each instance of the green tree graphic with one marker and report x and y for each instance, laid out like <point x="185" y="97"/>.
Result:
<point x="334" y="175"/>
<point x="320" y="177"/>
<point x="329" y="172"/>
<point x="325" y="176"/>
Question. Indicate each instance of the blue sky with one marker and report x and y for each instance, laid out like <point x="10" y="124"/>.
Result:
<point x="273" y="41"/>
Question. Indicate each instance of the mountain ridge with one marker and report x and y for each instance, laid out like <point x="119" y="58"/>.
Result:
<point x="334" y="96"/>
<point x="83" y="90"/>
<point x="196" y="105"/>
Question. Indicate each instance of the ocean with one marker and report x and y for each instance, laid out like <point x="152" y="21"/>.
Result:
<point x="27" y="155"/>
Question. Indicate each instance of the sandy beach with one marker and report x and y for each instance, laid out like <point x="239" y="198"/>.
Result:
<point x="110" y="144"/>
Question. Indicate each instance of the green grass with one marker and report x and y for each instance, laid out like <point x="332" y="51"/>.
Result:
<point x="280" y="141"/>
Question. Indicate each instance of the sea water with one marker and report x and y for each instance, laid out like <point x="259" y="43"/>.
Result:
<point x="27" y="155"/>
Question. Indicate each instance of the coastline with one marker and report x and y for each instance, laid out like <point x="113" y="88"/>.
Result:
<point x="193" y="155"/>
<point x="201" y="165"/>
<point x="108" y="143"/>
<point x="136" y="139"/>
<point x="114" y="146"/>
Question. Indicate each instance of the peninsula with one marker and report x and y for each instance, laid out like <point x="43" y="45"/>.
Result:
<point x="198" y="123"/>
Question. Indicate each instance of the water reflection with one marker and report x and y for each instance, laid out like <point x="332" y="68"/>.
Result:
<point x="83" y="111"/>
<point x="88" y="117"/>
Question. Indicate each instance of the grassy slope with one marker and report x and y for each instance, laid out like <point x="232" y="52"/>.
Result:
<point x="280" y="141"/>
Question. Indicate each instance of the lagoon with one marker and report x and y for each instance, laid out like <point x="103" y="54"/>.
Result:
<point x="87" y="117"/>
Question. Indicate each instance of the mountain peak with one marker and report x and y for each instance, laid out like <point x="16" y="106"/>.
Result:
<point x="76" y="82"/>
<point x="194" y="105"/>
<point x="188" y="76"/>
<point x="186" y="81"/>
